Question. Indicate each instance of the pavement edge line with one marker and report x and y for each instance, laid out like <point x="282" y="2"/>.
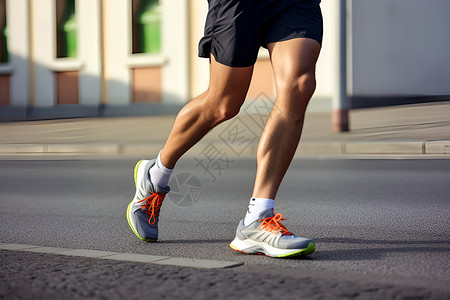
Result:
<point x="130" y="257"/>
<point x="416" y="147"/>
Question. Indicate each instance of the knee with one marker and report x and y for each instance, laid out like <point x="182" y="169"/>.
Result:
<point x="223" y="106"/>
<point x="303" y="84"/>
<point x="294" y="94"/>
<point x="226" y="111"/>
<point x="307" y="82"/>
<point x="219" y="111"/>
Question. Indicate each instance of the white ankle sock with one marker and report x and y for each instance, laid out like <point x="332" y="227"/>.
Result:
<point x="159" y="174"/>
<point x="255" y="207"/>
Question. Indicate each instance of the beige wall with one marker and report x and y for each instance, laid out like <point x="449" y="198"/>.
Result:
<point x="402" y="51"/>
<point x="198" y="67"/>
<point x="147" y="85"/>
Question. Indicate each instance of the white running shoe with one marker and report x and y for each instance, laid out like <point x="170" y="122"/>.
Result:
<point x="268" y="236"/>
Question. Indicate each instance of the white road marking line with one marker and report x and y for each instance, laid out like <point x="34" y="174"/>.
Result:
<point x="161" y="260"/>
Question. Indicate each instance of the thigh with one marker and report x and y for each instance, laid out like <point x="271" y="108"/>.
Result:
<point x="235" y="29"/>
<point x="303" y="19"/>
<point x="291" y="59"/>
<point x="228" y="86"/>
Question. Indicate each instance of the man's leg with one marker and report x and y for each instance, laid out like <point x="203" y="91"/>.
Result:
<point x="227" y="90"/>
<point x="222" y="101"/>
<point x="293" y="63"/>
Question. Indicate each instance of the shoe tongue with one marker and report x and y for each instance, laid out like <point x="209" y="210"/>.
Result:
<point x="157" y="188"/>
<point x="266" y="213"/>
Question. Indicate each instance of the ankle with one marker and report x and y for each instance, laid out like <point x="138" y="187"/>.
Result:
<point x="160" y="174"/>
<point x="256" y="207"/>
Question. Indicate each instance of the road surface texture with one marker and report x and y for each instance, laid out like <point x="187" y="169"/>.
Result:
<point x="381" y="228"/>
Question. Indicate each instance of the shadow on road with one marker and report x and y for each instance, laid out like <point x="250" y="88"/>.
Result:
<point x="371" y="253"/>
<point x="227" y="241"/>
<point x="380" y="242"/>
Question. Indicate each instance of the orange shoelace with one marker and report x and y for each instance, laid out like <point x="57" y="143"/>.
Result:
<point x="273" y="225"/>
<point x="152" y="206"/>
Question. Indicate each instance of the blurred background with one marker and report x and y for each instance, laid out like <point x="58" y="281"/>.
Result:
<point x="85" y="58"/>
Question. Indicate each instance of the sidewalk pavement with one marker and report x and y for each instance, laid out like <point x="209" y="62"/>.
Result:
<point x="422" y="129"/>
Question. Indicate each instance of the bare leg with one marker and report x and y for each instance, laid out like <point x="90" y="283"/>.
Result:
<point x="293" y="63"/>
<point x="222" y="101"/>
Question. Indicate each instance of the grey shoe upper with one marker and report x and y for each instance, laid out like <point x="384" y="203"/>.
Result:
<point x="277" y="240"/>
<point x="147" y="223"/>
<point x="146" y="186"/>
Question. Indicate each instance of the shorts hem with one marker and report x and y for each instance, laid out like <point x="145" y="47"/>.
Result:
<point x="224" y="61"/>
<point x="291" y="37"/>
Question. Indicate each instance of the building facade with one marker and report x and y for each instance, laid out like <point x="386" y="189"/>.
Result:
<point x="84" y="57"/>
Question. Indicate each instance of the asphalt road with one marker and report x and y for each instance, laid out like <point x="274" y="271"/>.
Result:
<point x="381" y="226"/>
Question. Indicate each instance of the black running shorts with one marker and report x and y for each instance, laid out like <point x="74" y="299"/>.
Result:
<point x="236" y="29"/>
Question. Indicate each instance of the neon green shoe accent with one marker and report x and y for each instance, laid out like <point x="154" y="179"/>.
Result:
<point x="308" y="250"/>
<point x="136" y="171"/>
<point x="129" y="205"/>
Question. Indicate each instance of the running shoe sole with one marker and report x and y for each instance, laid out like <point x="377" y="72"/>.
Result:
<point x="253" y="247"/>
<point x="129" y="212"/>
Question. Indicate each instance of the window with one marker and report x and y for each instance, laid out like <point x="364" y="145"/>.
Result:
<point x="146" y="26"/>
<point x="66" y="29"/>
<point x="3" y="33"/>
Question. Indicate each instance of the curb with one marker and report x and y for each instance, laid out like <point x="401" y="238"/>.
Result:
<point x="305" y="148"/>
<point x="143" y="258"/>
<point x="376" y="147"/>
